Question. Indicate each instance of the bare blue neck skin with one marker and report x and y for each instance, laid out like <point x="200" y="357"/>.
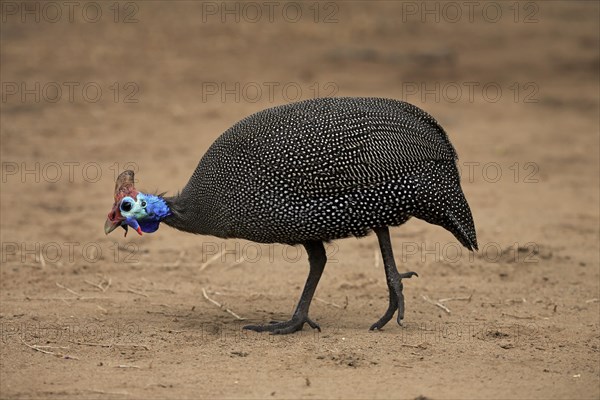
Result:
<point x="157" y="210"/>
<point x="147" y="213"/>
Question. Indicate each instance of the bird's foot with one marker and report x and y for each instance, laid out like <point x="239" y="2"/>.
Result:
<point x="283" y="328"/>
<point x="396" y="303"/>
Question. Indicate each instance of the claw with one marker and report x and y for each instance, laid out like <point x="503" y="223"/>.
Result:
<point x="313" y="324"/>
<point x="406" y="275"/>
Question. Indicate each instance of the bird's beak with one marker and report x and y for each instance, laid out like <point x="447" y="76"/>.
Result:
<point x="110" y="226"/>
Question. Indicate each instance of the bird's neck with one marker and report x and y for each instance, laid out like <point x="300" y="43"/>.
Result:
<point x="157" y="210"/>
<point x="184" y="216"/>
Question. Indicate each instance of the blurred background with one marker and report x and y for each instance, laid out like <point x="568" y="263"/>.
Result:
<point x="92" y="88"/>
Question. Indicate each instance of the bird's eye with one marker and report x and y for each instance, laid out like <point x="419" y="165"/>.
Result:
<point x="126" y="206"/>
<point x="143" y="203"/>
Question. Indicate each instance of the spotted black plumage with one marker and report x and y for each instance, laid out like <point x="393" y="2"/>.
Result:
<point x="312" y="172"/>
<point x="325" y="169"/>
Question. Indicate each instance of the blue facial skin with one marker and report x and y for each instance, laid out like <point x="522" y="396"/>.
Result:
<point x="144" y="213"/>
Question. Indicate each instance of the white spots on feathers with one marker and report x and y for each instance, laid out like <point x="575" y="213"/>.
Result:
<point x="324" y="169"/>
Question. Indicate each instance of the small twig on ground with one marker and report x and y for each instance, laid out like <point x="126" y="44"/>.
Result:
<point x="436" y="303"/>
<point x="42" y="259"/>
<point x="110" y="344"/>
<point x="456" y="298"/>
<point x="127" y="366"/>
<point x="517" y="316"/>
<point x="216" y="303"/>
<point x="162" y="385"/>
<point x="41" y="350"/>
<point x="104" y="310"/>
<point x="224" y="292"/>
<point x="67" y="289"/>
<point x="136" y="292"/>
<point x="105" y="392"/>
<point x="328" y="303"/>
<point x="209" y="261"/>
<point x="65" y="298"/>
<point x="90" y="344"/>
<point x="151" y="283"/>
<point x="103" y="285"/>
<point x="416" y="346"/>
<point x="168" y="314"/>
<point x="592" y="301"/>
<point x="376" y="256"/>
<point x="160" y="304"/>
<point x="96" y="285"/>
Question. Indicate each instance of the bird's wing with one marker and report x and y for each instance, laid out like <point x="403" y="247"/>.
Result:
<point x="344" y="145"/>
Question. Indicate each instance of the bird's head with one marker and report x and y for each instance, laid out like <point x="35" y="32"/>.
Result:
<point x="141" y="211"/>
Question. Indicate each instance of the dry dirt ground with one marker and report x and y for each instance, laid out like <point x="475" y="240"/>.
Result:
<point x="150" y="85"/>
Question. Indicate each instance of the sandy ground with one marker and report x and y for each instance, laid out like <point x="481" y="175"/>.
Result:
<point x="150" y="85"/>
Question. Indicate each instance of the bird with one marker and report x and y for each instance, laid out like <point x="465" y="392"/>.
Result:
<point x="311" y="172"/>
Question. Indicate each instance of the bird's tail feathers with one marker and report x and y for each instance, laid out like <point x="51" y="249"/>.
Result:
<point x="444" y="204"/>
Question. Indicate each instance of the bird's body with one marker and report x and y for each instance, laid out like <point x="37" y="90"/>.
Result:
<point x="325" y="169"/>
<point x="312" y="172"/>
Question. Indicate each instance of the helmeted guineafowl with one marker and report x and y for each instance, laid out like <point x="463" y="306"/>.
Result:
<point x="311" y="172"/>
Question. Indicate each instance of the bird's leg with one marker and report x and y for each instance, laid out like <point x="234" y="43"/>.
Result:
<point x="317" y="259"/>
<point x="393" y="278"/>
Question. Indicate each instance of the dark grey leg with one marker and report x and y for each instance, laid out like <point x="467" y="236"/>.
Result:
<point x="393" y="278"/>
<point x="317" y="259"/>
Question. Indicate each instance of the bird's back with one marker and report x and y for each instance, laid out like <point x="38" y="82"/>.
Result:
<point x="324" y="169"/>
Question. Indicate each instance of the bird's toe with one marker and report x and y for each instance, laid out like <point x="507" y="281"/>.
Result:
<point x="283" y="328"/>
<point x="406" y="275"/>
